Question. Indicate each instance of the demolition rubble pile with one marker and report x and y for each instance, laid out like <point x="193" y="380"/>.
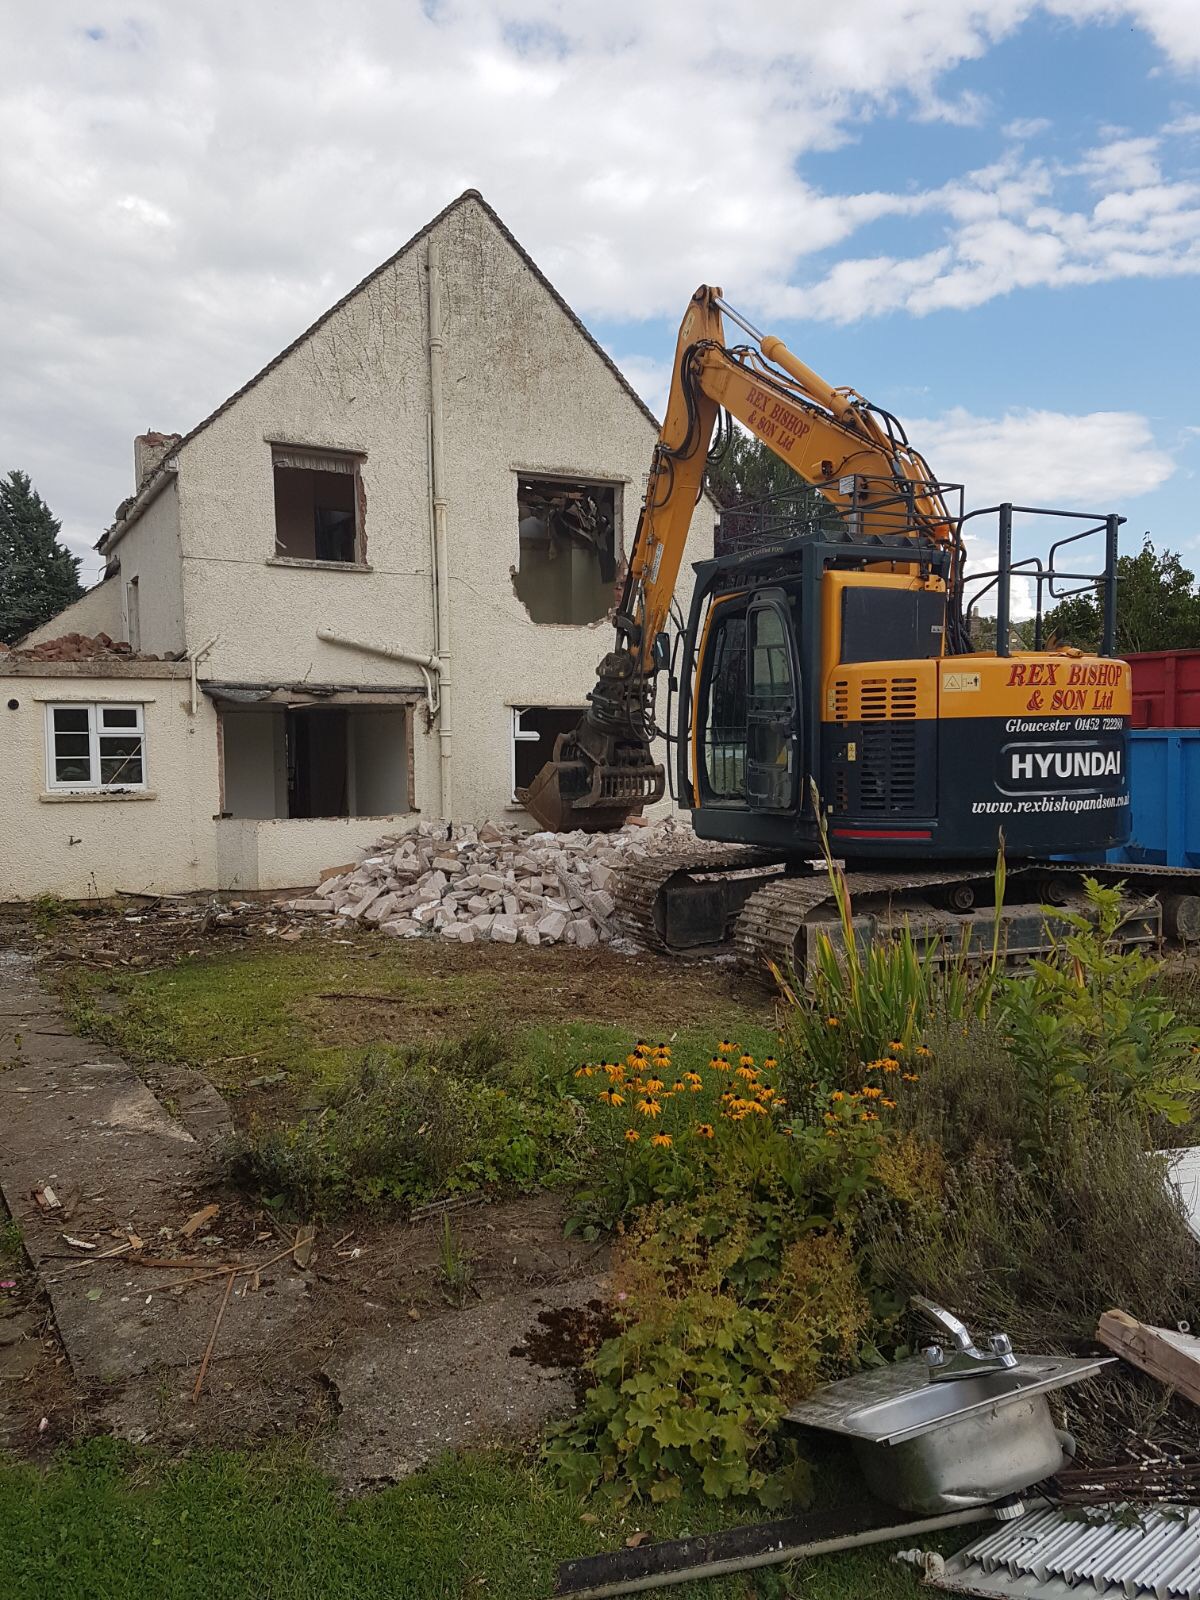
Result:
<point x="490" y="882"/>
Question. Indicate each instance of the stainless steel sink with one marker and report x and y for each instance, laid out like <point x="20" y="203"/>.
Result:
<point x="963" y="1441"/>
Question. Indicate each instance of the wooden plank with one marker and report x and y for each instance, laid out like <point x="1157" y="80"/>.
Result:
<point x="1173" y="1358"/>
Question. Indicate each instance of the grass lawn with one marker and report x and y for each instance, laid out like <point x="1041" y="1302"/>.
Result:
<point x="311" y="1009"/>
<point x="105" y="1523"/>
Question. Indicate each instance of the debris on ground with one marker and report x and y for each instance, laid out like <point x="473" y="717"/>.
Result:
<point x="491" y="882"/>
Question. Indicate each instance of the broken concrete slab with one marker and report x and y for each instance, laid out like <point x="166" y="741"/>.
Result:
<point x="445" y="1384"/>
<point x="81" y="1120"/>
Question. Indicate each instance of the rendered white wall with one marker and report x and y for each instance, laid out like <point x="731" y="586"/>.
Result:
<point x="79" y="846"/>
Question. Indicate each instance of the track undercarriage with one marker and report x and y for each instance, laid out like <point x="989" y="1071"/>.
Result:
<point x="704" y="896"/>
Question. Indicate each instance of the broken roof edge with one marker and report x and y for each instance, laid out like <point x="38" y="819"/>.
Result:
<point x="148" y="491"/>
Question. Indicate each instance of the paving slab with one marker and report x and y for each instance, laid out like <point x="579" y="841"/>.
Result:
<point x="83" y="1121"/>
<point x="441" y="1385"/>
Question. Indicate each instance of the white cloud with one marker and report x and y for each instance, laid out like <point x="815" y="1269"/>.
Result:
<point x="184" y="188"/>
<point x="1026" y="127"/>
<point x="1095" y="461"/>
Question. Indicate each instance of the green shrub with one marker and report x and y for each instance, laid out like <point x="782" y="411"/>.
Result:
<point x="1039" y="1250"/>
<point x="723" y="1325"/>
<point x="409" y="1125"/>
<point x="1090" y="1022"/>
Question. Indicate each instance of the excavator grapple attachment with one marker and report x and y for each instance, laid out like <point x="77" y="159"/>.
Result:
<point x="574" y="791"/>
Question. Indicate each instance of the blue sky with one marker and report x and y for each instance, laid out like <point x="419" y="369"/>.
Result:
<point x="983" y="214"/>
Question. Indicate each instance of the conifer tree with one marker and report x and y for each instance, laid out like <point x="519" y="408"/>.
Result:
<point x="38" y="575"/>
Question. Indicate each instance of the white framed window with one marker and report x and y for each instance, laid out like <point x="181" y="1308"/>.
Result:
<point x="534" y="731"/>
<point x="95" y="747"/>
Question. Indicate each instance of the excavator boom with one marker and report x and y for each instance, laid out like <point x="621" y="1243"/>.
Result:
<point x="604" y="770"/>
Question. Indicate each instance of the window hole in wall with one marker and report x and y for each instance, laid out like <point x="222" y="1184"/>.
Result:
<point x="320" y="506"/>
<point x="568" y="550"/>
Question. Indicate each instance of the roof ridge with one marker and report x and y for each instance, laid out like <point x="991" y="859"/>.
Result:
<point x="384" y="266"/>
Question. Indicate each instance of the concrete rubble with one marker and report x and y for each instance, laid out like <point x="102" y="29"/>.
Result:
<point x="490" y="883"/>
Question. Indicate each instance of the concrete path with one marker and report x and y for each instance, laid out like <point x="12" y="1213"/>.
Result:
<point x="80" y="1119"/>
<point x="303" y="1350"/>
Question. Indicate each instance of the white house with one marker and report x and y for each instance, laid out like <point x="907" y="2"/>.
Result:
<point x="383" y="573"/>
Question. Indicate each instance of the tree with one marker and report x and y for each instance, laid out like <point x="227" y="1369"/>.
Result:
<point x="1157" y="607"/>
<point x="38" y="576"/>
<point x="744" y="472"/>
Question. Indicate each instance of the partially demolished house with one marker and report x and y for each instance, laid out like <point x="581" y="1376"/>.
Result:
<point x="373" y="585"/>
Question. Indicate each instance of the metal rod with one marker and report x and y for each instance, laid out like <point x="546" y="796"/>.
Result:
<point x="659" y="1566"/>
<point x="736" y="316"/>
<point x="1108" y="644"/>
<point x="1004" y="564"/>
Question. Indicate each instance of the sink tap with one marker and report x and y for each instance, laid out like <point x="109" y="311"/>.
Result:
<point x="966" y="1359"/>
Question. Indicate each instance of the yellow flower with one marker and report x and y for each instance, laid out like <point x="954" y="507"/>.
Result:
<point x="746" y="1061"/>
<point x="724" y="1047"/>
<point x="896" y="1046"/>
<point x="616" y="1072"/>
<point x="830" y="1117"/>
<point x="584" y="1072"/>
<point x="746" y="1072"/>
<point x="889" y="1104"/>
<point x="872" y="1092"/>
<point x="612" y="1098"/>
<point x="764" y="1092"/>
<point x="632" y="1136"/>
<point x="653" y="1085"/>
<point x="648" y="1108"/>
<point x="890" y="1064"/>
<point x="870" y="1116"/>
<point x="694" y="1079"/>
<point x="830" y="1133"/>
<point x="837" y="1095"/>
<point x="911" y="1077"/>
<point x="662" y="1140"/>
<point x="769" y="1063"/>
<point x="678" y="1086"/>
<point x="832" y="1022"/>
<point x="704" y="1130"/>
<point x="923" y="1050"/>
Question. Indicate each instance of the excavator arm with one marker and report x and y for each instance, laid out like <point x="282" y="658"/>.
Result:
<point x="855" y="456"/>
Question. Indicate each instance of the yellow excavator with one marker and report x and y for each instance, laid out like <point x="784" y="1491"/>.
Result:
<point x="831" y="664"/>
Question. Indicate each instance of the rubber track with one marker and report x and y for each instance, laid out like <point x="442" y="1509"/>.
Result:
<point x="771" y="919"/>
<point x="641" y="882"/>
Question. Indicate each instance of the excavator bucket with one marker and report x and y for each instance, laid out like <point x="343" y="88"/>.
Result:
<point x="545" y="802"/>
<point x="572" y="791"/>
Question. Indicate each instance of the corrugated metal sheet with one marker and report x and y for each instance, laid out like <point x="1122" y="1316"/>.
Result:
<point x="1185" y="1175"/>
<point x="1146" y="1553"/>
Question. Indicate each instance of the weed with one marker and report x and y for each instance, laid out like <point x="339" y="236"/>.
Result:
<point x="409" y="1125"/>
<point x="12" y="1249"/>
<point x="457" y="1268"/>
<point x="47" y="912"/>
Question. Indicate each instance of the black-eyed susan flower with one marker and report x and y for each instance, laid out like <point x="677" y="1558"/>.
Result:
<point x="872" y="1092"/>
<point x="704" y="1130"/>
<point x="632" y="1136"/>
<point x="911" y="1077"/>
<point x="746" y="1072"/>
<point x="724" y="1047"/>
<point x="653" y="1085"/>
<point x="889" y="1064"/>
<point x="648" y="1108"/>
<point x="833" y="1022"/>
<point x="745" y="1061"/>
<point x="923" y="1051"/>
<point x="769" y="1063"/>
<point x="895" y="1047"/>
<point x="888" y="1105"/>
<point x="838" y="1094"/>
<point x="612" y="1098"/>
<point x="662" y="1141"/>
<point x="584" y="1072"/>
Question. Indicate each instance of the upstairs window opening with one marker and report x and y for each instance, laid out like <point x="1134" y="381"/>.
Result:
<point x="318" y="506"/>
<point x="567" y="538"/>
